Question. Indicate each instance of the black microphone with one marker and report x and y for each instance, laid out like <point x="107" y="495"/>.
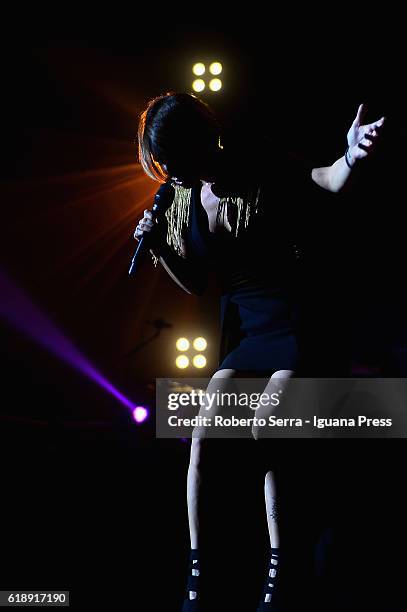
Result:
<point x="162" y="200"/>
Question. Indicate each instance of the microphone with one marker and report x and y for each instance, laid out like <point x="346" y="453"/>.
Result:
<point x="162" y="200"/>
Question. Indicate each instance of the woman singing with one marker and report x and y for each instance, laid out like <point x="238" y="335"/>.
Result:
<point x="227" y="217"/>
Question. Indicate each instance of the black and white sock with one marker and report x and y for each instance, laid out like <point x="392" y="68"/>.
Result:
<point x="270" y="585"/>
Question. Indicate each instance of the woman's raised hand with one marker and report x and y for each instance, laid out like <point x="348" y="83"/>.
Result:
<point x="362" y="138"/>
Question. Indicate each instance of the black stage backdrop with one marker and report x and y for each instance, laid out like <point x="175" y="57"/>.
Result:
<point x="92" y="502"/>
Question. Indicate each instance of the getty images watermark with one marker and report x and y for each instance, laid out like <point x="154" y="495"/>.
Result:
<point x="299" y="407"/>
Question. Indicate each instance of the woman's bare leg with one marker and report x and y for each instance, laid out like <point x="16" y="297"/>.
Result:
<point x="270" y="497"/>
<point x="194" y="473"/>
<point x="193" y="484"/>
<point x="277" y="383"/>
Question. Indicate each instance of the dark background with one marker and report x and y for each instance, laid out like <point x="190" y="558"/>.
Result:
<point x="90" y="499"/>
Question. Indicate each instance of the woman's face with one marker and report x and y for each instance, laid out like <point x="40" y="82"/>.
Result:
<point x="182" y="174"/>
<point x="187" y="170"/>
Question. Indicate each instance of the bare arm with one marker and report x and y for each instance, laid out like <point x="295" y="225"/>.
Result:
<point x="361" y="143"/>
<point x="333" y="178"/>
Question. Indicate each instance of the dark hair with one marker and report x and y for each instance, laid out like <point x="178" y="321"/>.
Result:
<point x="175" y="127"/>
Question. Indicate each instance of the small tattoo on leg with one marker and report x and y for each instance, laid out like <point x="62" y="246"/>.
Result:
<point x="273" y="512"/>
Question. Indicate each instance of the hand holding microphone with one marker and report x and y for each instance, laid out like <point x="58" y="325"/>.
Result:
<point x="162" y="200"/>
<point x="144" y="225"/>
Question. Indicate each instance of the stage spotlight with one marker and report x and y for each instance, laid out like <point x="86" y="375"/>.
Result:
<point x="215" y="84"/>
<point x="182" y="362"/>
<point x="199" y="361"/>
<point x="215" y="68"/>
<point x="199" y="69"/>
<point x="182" y="344"/>
<point x="198" y="85"/>
<point x="200" y="344"/>
<point x="140" y="414"/>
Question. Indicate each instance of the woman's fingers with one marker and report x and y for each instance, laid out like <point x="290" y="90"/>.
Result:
<point x="144" y="225"/>
<point x="372" y="135"/>
<point x="361" y="112"/>
<point x="378" y="124"/>
<point x="365" y="145"/>
<point x="367" y="141"/>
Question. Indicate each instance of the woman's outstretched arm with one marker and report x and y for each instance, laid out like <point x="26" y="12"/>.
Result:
<point x="362" y="140"/>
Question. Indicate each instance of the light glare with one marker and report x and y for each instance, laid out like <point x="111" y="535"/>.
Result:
<point x="199" y="361"/>
<point x="215" y="85"/>
<point x="140" y="414"/>
<point x="182" y="362"/>
<point x="215" y="68"/>
<point x="199" y="69"/>
<point x="182" y="344"/>
<point x="198" y="85"/>
<point x="200" y="344"/>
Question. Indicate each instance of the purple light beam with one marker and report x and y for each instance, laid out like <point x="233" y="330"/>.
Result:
<point x="17" y="308"/>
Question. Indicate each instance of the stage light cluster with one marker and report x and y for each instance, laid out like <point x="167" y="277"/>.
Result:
<point x="197" y="360"/>
<point x="199" y="69"/>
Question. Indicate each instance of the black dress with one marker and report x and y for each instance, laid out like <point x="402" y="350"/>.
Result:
<point x="274" y="313"/>
<point x="255" y="271"/>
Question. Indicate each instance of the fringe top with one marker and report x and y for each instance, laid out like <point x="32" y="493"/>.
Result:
<point x="238" y="208"/>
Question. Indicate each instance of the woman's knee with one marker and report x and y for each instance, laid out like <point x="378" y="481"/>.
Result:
<point x="285" y="374"/>
<point x="224" y="373"/>
<point x="269" y="481"/>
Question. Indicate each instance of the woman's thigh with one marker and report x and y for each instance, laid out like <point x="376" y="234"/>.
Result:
<point x="240" y="457"/>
